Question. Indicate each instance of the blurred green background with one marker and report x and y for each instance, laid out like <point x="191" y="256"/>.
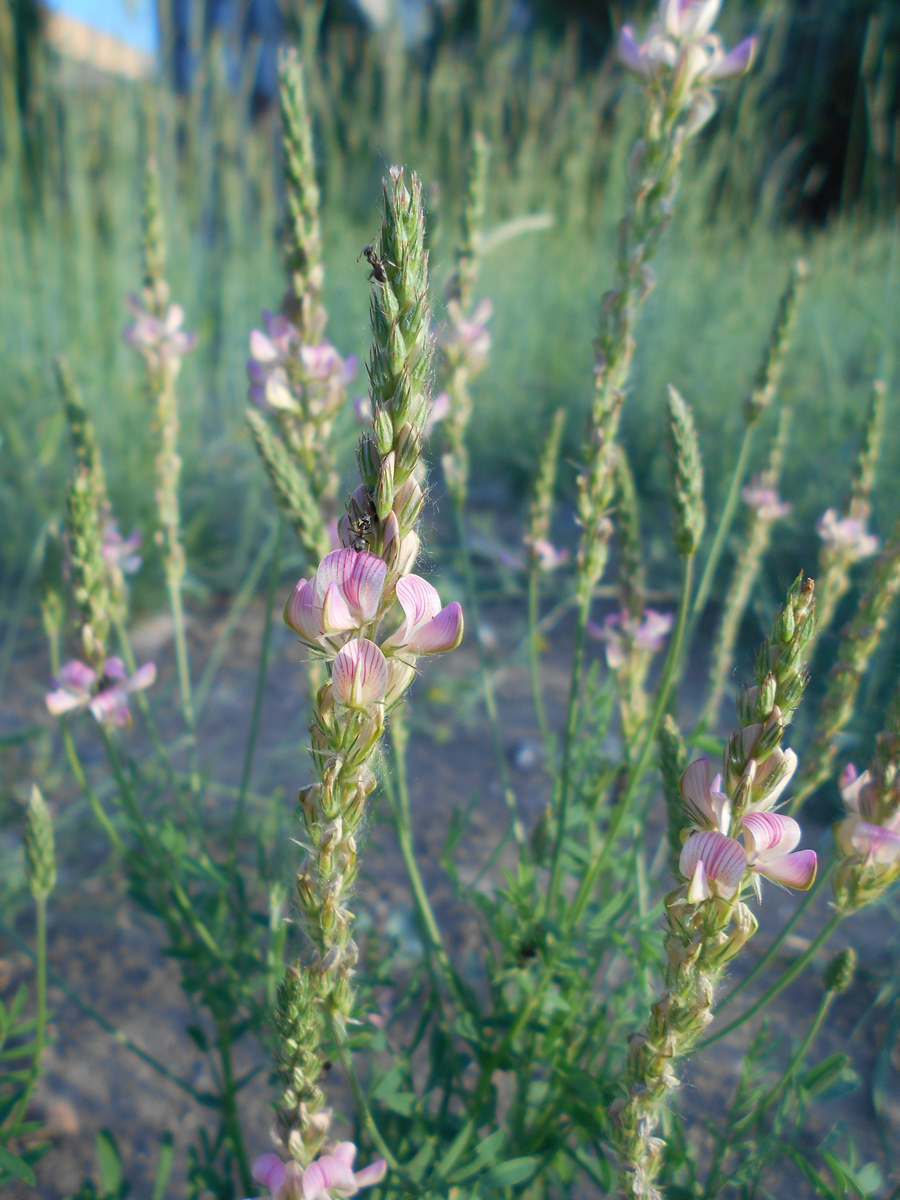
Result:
<point x="803" y="158"/>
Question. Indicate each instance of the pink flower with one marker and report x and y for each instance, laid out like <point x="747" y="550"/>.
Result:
<point x="714" y="864"/>
<point x="118" y="551"/>
<point x="344" y="596"/>
<point x="329" y="1177"/>
<point x="359" y="675"/>
<point x="282" y="370"/>
<point x="161" y="340"/>
<point x="765" y="501"/>
<point x="864" y="831"/>
<point x="846" y="536"/>
<point x="427" y="628"/>
<point x="109" y="704"/>
<point x="707" y="806"/>
<point x="681" y="39"/>
<point x="619" y="630"/>
<point x="547" y="556"/>
<point x="769" y="839"/>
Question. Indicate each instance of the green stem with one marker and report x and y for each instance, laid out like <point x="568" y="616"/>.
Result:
<point x="40" y="1025"/>
<point x="534" y="658"/>
<point x="799" y="1055"/>
<point x="400" y="809"/>
<point x="490" y="699"/>
<point x="788" y="976"/>
<point x="259" y="694"/>
<point x="669" y="674"/>
<point x="724" y="527"/>
<point x="362" y="1106"/>
<point x="143" y="703"/>
<point x="767" y="958"/>
<point x="184" y="676"/>
<point x="230" y="1116"/>
<point x="565" y="777"/>
<point x="81" y="779"/>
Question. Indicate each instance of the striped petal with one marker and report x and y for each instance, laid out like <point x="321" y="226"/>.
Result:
<point x="302" y="613"/>
<point x="336" y="614"/>
<point x="443" y="632"/>
<point x="327" y="1172"/>
<point x="364" y="582"/>
<point x="345" y="1152"/>
<point x="769" y="835"/>
<point x="359" y="675"/>
<point x="877" y="842"/>
<point x="269" y="1171"/>
<point x="773" y="777"/>
<point x="709" y="808"/>
<point x="796" y="870"/>
<point x="373" y="1173"/>
<point x="723" y="858"/>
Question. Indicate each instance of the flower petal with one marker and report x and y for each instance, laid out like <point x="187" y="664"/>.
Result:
<point x="796" y="870"/>
<point x="773" y="777"/>
<point x="261" y="348"/>
<point x="269" y="1171"/>
<point x="359" y="674"/>
<point x="365" y="582"/>
<point x="302" y="614"/>
<point x="336" y="615"/>
<point x="77" y="675"/>
<point x="143" y="677"/>
<point x="723" y="859"/>
<point x="629" y="53"/>
<point x="444" y="632"/>
<point x="110" y="707"/>
<point x="769" y="835"/>
<point x="736" y="62"/>
<point x="345" y="1152"/>
<point x="373" y="1173"/>
<point x="325" y="1173"/>
<point x="852" y="785"/>
<point x="880" y="844"/>
<point x="63" y="701"/>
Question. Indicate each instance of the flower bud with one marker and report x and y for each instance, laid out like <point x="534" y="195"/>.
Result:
<point x="368" y="460"/>
<point x="384" y="488"/>
<point x="40" y="857"/>
<point x="384" y="431"/>
<point x="838" y="975"/>
<point x="408" y="502"/>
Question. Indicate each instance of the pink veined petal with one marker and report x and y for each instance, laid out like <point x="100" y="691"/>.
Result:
<point x="736" y="62"/>
<point x="302" y="614"/>
<point x="364" y="584"/>
<point x="695" y="789"/>
<point x="629" y="52"/>
<point x="144" y="677"/>
<point x="444" y="632"/>
<point x="325" y="1173"/>
<point x="418" y="599"/>
<point x="769" y="835"/>
<point x="853" y="787"/>
<point x="698" y="889"/>
<point x="780" y="767"/>
<point x="796" y="870"/>
<point x="110" y="707"/>
<point x="879" y="843"/>
<point x="723" y="858"/>
<point x="345" y="1152"/>
<point x="63" y="701"/>
<point x="261" y="348"/>
<point x="335" y="567"/>
<point x="76" y="675"/>
<point x="336" y="614"/>
<point x="359" y="674"/>
<point x="269" y="1170"/>
<point x="373" y="1173"/>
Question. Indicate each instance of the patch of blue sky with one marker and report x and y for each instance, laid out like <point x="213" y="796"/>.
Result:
<point x="132" y="21"/>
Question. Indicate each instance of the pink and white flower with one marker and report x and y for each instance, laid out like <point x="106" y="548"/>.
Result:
<point x="281" y="369"/>
<point x="359" y="675"/>
<point x="161" y="340"/>
<point x="427" y="627"/>
<point x="329" y="1177"/>
<point x="344" y="596"/>
<point x="715" y="864"/>
<point x="621" y="630"/>
<point x="109" y="703"/>
<point x="708" y="806"/>
<point x="548" y="557"/>
<point x="681" y="39"/>
<point x="846" y="537"/>
<point x="864" y="830"/>
<point x="118" y="552"/>
<point x="765" y="501"/>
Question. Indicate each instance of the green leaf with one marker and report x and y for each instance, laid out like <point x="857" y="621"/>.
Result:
<point x="164" y="1166"/>
<point x="15" y="1167"/>
<point x="401" y="1102"/>
<point x="109" y="1163"/>
<point x="484" y="1156"/>
<point x="388" y="1084"/>
<point x="516" y="1170"/>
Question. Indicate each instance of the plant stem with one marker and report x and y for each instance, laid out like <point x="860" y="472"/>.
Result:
<point x="362" y="1107"/>
<point x="259" y="694"/>
<point x="787" y="977"/>
<point x="534" y="657"/>
<point x="184" y="676"/>
<point x="773" y="949"/>
<point x="40" y="1023"/>
<point x="799" y="1055"/>
<point x="143" y="702"/>
<point x="230" y="1116"/>
<point x="490" y="699"/>
<point x="669" y="675"/>
<point x="81" y="779"/>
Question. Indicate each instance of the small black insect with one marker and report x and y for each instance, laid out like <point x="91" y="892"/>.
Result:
<point x="359" y="532"/>
<point x="526" y="952"/>
<point x="377" y="265"/>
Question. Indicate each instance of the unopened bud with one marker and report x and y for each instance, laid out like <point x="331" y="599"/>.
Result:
<point x="368" y="460"/>
<point x="384" y="488"/>
<point x="839" y="973"/>
<point x="40" y="857"/>
<point x="383" y="430"/>
<point x="686" y="486"/>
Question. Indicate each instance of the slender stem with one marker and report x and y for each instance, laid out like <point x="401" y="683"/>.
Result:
<point x="400" y="810"/>
<point x="571" y="729"/>
<point x="81" y="779"/>
<point x="184" y="675"/>
<point x="230" y="1116"/>
<point x="143" y="703"/>
<point x="799" y="1055"/>
<point x="362" y="1106"/>
<point x="490" y="699"/>
<point x="40" y="1025"/>
<point x="724" y="527"/>
<point x="766" y="959"/>
<point x="534" y="657"/>
<point x="788" y="976"/>
<point x="259" y="694"/>
<point x="669" y="674"/>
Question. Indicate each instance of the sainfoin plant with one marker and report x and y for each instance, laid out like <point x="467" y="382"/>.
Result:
<point x="550" y="1062"/>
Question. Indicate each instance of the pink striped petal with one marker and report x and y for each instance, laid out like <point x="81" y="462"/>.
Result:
<point x="269" y="1171"/>
<point x="335" y="567"/>
<point x="737" y="62"/>
<point x="327" y="1172"/>
<point x="851" y="785"/>
<point x="63" y="701"/>
<point x="373" y="1173"/>
<point x="418" y="599"/>
<point x="769" y="835"/>
<point x="723" y="859"/>
<point x="443" y="633"/>
<point x="359" y="674"/>
<point x="364" y="583"/>
<point x="302" y="614"/>
<point x="699" y="885"/>
<point x="77" y="675"/>
<point x="336" y="614"/>
<point x="793" y="870"/>
<point x="774" y="775"/>
<point x="710" y="808"/>
<point x="143" y="677"/>
<point x="879" y="843"/>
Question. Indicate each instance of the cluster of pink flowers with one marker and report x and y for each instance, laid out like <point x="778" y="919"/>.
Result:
<point x="78" y="686"/>
<point x="715" y="863"/>
<point x="765" y="501"/>
<point x="865" y="830"/>
<point x="329" y="1177"/>
<point x="345" y="601"/>
<point x="846" y="537"/>
<point x="161" y="340"/>
<point x="287" y="376"/>
<point x="622" y="632"/>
